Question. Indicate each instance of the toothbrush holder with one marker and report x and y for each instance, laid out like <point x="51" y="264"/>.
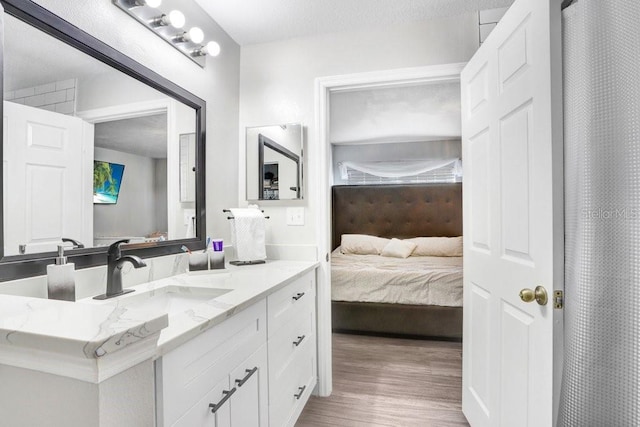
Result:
<point x="198" y="261"/>
<point x="217" y="255"/>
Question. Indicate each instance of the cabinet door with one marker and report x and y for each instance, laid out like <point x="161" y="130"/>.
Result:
<point x="202" y="414"/>
<point x="249" y="403"/>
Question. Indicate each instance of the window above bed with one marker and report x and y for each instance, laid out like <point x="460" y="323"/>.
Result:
<point x="401" y="171"/>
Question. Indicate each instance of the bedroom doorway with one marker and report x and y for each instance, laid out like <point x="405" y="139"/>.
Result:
<point x="324" y="88"/>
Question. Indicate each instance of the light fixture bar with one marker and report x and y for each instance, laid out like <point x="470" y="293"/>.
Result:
<point x="187" y="42"/>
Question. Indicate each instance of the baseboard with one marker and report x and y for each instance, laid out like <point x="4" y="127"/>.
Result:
<point x="391" y="335"/>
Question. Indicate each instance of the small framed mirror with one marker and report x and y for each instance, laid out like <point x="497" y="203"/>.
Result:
<point x="275" y="158"/>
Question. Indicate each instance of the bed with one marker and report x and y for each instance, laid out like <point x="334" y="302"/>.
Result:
<point x="397" y="305"/>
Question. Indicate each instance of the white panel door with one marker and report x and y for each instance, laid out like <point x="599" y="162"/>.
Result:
<point x="512" y="148"/>
<point x="47" y="189"/>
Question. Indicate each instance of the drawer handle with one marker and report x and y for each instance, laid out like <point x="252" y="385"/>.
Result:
<point x="298" y="296"/>
<point x="227" y="394"/>
<point x="299" y="395"/>
<point x="246" y="378"/>
<point x="297" y="343"/>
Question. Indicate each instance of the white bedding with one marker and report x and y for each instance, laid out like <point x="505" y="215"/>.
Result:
<point x="421" y="280"/>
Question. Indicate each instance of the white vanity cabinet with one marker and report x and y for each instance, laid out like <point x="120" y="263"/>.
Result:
<point x="292" y="349"/>
<point x="235" y="400"/>
<point x="255" y="369"/>
<point x="219" y="378"/>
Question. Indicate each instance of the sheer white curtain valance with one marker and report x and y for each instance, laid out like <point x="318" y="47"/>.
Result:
<point x="400" y="168"/>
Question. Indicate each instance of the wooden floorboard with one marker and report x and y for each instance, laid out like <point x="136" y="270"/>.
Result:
<point x="390" y="382"/>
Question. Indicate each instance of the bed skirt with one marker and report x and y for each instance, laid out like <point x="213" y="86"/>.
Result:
<point x="428" y="321"/>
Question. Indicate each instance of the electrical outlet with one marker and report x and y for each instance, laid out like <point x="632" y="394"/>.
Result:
<point x="295" y="216"/>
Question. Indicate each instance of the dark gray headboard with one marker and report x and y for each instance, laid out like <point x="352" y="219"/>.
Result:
<point x="403" y="211"/>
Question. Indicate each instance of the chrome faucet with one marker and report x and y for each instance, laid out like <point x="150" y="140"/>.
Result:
<point x="115" y="262"/>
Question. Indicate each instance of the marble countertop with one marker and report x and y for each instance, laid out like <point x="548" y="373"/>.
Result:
<point x="92" y="329"/>
<point x="246" y="285"/>
<point x="73" y="329"/>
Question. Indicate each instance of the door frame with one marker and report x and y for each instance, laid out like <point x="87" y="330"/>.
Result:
<point x="321" y="171"/>
<point x="143" y="109"/>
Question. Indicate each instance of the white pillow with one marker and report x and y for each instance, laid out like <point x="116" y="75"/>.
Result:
<point x="437" y="246"/>
<point x="362" y="244"/>
<point x="398" y="248"/>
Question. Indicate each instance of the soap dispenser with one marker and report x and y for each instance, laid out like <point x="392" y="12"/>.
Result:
<point x="61" y="283"/>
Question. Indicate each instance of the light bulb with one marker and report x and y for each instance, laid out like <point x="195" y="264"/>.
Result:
<point x="153" y="3"/>
<point x="196" y="35"/>
<point x="176" y="19"/>
<point x="212" y="48"/>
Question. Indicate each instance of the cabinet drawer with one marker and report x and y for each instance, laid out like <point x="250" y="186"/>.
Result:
<point x="290" y="340"/>
<point x="288" y="395"/>
<point x="187" y="373"/>
<point x="281" y="304"/>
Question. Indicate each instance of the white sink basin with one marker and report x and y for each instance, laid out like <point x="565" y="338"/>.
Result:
<point x="169" y="299"/>
<point x="173" y="299"/>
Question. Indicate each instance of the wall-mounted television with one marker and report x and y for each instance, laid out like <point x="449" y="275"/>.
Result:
<point x="107" y="178"/>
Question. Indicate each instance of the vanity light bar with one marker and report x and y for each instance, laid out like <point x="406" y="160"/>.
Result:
<point x="168" y="26"/>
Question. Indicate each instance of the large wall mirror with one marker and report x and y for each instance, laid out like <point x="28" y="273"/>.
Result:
<point x="94" y="149"/>
<point x="274" y="162"/>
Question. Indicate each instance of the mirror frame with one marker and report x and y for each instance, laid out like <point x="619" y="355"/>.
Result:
<point x="264" y="141"/>
<point x="21" y="266"/>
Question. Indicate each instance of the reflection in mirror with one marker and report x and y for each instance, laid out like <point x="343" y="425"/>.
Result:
<point x="274" y="162"/>
<point x="64" y="110"/>
<point x="188" y="167"/>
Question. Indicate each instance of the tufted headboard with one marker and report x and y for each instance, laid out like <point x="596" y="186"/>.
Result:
<point x="403" y="211"/>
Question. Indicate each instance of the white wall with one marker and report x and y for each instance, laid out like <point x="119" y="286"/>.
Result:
<point x="134" y="213"/>
<point x="110" y="89"/>
<point x="277" y="85"/>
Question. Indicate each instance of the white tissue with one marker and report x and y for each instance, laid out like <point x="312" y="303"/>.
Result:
<point x="248" y="234"/>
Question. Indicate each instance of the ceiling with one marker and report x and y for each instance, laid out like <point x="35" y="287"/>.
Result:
<point x="260" y="21"/>
<point x="144" y="136"/>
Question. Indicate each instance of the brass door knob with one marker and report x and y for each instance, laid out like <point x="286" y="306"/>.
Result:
<point x="539" y="295"/>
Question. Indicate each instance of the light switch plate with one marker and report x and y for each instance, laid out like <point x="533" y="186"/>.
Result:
<point x="295" y="216"/>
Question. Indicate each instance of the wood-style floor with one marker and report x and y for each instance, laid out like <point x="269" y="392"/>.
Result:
<point x="390" y="382"/>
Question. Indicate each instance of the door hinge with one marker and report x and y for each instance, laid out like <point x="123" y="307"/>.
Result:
<point x="558" y="299"/>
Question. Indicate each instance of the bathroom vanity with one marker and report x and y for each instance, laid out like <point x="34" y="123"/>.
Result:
<point x="231" y="347"/>
<point x="236" y="347"/>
